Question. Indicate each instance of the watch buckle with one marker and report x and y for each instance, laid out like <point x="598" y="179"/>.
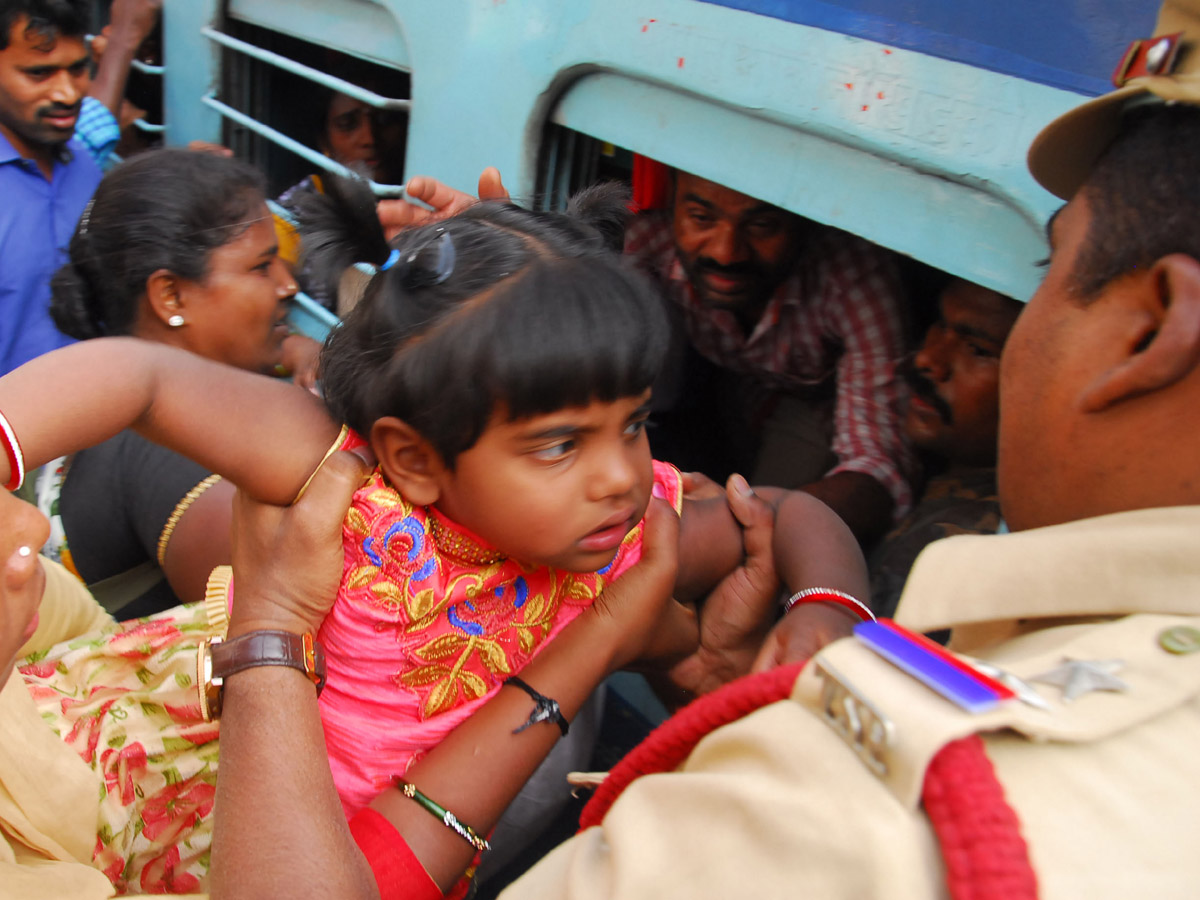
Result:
<point x="310" y="661"/>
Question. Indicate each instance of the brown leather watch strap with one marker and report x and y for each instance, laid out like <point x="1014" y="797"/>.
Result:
<point x="260" y="648"/>
<point x="270" y="648"/>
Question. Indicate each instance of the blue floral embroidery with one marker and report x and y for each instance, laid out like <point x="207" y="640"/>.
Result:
<point x="519" y="586"/>
<point x="411" y="527"/>
<point x="469" y="627"/>
<point x="426" y="570"/>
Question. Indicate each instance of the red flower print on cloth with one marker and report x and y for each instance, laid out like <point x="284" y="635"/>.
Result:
<point x="111" y="864"/>
<point x="39" y="670"/>
<point x="122" y="769"/>
<point x="164" y="876"/>
<point x="176" y="809"/>
<point x="143" y="640"/>
<point x="88" y="728"/>
<point x="125" y="699"/>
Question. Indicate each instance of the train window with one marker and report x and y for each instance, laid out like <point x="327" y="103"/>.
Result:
<point x="855" y="180"/>
<point x="570" y="161"/>
<point x="292" y="107"/>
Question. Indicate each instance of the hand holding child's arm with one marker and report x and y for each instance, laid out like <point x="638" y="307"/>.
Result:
<point x="813" y="548"/>
<point x="736" y="616"/>
<point x="276" y="793"/>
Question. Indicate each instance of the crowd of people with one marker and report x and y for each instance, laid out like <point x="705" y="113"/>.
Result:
<point x="336" y="621"/>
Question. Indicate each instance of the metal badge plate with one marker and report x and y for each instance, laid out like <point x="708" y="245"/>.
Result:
<point x="860" y="723"/>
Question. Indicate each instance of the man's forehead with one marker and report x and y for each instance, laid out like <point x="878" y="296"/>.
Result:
<point x="978" y="309"/>
<point x="693" y="187"/>
<point x="29" y="38"/>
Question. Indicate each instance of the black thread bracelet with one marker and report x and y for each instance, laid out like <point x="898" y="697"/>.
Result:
<point x="544" y="709"/>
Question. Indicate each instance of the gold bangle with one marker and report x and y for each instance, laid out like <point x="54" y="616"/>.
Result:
<point x="181" y="507"/>
<point x="333" y="448"/>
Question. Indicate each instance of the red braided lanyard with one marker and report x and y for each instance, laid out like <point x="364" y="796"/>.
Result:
<point x="986" y="858"/>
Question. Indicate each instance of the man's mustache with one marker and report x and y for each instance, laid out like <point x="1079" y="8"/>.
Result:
<point x="58" y="110"/>
<point x="705" y="265"/>
<point x="925" y="389"/>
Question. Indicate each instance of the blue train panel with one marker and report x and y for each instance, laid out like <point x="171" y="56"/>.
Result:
<point x="1068" y="44"/>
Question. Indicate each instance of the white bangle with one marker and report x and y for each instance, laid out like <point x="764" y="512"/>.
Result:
<point x="16" y="457"/>
<point x="829" y="595"/>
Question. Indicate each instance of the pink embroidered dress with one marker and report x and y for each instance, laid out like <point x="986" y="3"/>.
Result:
<point x="428" y="623"/>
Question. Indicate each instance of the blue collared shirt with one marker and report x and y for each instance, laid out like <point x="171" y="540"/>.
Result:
<point x="37" y="219"/>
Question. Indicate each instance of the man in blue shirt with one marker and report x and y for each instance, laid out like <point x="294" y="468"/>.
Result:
<point x="46" y="178"/>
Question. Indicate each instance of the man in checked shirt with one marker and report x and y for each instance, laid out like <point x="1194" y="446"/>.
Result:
<point x="796" y="329"/>
<point x="798" y="325"/>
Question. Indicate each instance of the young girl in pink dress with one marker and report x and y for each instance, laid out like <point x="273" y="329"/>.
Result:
<point x="499" y="364"/>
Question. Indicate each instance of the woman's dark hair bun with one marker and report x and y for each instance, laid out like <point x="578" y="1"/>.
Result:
<point x="72" y="304"/>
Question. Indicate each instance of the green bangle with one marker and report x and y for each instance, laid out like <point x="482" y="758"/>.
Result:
<point x="464" y="831"/>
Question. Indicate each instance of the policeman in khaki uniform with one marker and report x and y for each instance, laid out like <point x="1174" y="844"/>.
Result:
<point x="1086" y="783"/>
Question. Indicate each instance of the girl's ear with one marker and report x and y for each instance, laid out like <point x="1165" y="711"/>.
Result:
<point x="410" y="462"/>
<point x="1164" y="346"/>
<point x="165" y="295"/>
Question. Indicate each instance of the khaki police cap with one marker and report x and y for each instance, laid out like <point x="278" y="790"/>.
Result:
<point x="1063" y="154"/>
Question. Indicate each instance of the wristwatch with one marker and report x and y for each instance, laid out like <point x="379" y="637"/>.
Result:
<point x="218" y="659"/>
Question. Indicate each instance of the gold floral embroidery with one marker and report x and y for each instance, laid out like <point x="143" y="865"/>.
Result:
<point x="464" y="617"/>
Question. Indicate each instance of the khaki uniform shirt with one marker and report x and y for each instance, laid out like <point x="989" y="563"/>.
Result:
<point x="1107" y="788"/>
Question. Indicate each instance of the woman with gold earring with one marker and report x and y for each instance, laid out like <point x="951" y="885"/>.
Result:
<point x="177" y="247"/>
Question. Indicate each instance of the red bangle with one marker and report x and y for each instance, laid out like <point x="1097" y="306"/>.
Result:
<point x="16" y="457"/>
<point x="829" y="595"/>
<point x="398" y="872"/>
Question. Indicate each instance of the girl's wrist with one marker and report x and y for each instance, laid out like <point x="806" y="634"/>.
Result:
<point x="573" y="664"/>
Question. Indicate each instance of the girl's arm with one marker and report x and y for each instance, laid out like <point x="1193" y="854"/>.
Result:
<point x="812" y="545"/>
<point x="263" y="435"/>
<point x="813" y="548"/>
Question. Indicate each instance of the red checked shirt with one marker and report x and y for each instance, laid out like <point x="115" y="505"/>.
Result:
<point x="837" y="316"/>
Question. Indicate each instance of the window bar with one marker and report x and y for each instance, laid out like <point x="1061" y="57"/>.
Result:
<point x="281" y="139"/>
<point x="323" y="78"/>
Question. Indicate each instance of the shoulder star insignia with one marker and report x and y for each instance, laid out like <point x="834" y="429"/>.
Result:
<point x="1077" y="677"/>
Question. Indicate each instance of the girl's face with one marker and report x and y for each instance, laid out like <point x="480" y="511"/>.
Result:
<point x="21" y="577"/>
<point x="236" y="315"/>
<point x="561" y="489"/>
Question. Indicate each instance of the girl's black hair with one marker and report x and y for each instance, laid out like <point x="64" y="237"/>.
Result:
<point x="498" y="308"/>
<point x="163" y="209"/>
